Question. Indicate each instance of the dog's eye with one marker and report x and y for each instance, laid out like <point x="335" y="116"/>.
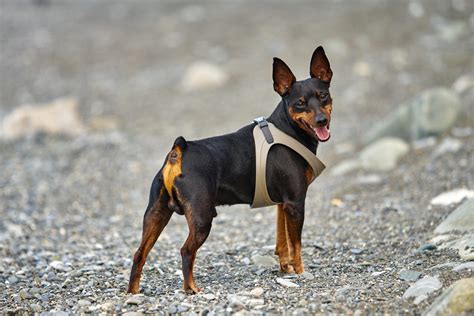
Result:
<point x="323" y="96"/>
<point x="300" y="103"/>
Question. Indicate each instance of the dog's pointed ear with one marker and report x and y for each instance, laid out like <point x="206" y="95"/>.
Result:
<point x="319" y="67"/>
<point x="283" y="78"/>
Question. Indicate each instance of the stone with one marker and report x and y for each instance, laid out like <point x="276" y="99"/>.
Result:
<point x="345" y="167"/>
<point x="461" y="219"/>
<point x="23" y="294"/>
<point x="455" y="300"/>
<point x="136" y="299"/>
<point x="264" y="261"/>
<point x="209" y="296"/>
<point x="422" y="288"/>
<point x="431" y="113"/>
<point x="448" y="145"/>
<point x="369" y="179"/>
<point x="426" y="247"/>
<point x="257" y="292"/>
<point x="256" y="302"/>
<point x="307" y="275"/>
<point x="286" y="283"/>
<point x="84" y="303"/>
<point x="59" y="266"/>
<point x="107" y="306"/>
<point x="383" y="154"/>
<point x="12" y="279"/>
<point x="203" y="75"/>
<point x="357" y="251"/>
<point x="60" y="116"/>
<point x="35" y="308"/>
<point x="463" y="84"/>
<point x="377" y="273"/>
<point x="452" y="197"/>
<point x="466" y="265"/>
<point x="409" y="275"/>
<point x="245" y="261"/>
<point x="173" y="309"/>
<point x="441" y="239"/>
<point x="464" y="244"/>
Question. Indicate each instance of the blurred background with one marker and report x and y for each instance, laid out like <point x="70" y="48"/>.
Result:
<point x="93" y="93"/>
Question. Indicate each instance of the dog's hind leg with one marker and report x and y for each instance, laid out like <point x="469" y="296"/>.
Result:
<point x="156" y="218"/>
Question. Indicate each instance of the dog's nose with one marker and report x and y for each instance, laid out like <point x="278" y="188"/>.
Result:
<point x="321" y="120"/>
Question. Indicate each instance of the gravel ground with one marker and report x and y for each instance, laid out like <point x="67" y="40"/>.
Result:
<point x="71" y="208"/>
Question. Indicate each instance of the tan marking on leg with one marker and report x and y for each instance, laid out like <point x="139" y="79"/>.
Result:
<point x="282" y="249"/>
<point x="294" y="239"/>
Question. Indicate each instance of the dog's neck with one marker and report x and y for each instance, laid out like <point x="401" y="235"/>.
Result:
<point x="281" y="119"/>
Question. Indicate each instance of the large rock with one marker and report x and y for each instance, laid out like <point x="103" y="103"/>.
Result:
<point x="458" y="299"/>
<point x="421" y="289"/>
<point x="431" y="113"/>
<point x="60" y="116"/>
<point x="383" y="154"/>
<point x="464" y="245"/>
<point x="461" y="219"/>
<point x="452" y="197"/>
<point x="203" y="75"/>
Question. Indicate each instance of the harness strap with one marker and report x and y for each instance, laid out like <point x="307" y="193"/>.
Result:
<point x="265" y="136"/>
<point x="263" y="124"/>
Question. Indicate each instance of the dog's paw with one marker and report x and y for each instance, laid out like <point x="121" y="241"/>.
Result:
<point x="191" y="290"/>
<point x="287" y="268"/>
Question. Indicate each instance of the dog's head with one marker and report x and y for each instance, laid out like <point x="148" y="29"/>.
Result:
<point x="308" y="102"/>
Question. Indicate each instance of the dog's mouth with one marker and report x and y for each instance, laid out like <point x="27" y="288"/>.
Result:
<point x="321" y="133"/>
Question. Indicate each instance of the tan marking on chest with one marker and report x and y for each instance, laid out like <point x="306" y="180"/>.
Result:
<point x="309" y="174"/>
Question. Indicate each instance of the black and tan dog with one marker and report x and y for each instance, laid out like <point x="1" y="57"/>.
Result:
<point x="199" y="175"/>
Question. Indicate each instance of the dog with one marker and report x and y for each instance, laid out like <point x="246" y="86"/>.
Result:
<point x="199" y="175"/>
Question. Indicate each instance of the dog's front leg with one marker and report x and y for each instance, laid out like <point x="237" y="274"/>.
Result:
<point x="294" y="214"/>
<point x="283" y="248"/>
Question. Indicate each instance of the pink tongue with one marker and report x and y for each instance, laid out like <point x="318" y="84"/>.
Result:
<point x="322" y="133"/>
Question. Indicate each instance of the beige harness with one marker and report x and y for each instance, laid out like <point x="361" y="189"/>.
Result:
<point x="266" y="135"/>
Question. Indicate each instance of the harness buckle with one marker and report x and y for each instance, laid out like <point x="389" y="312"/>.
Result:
<point x="263" y="124"/>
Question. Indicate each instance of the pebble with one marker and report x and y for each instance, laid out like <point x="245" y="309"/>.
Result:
<point x="356" y="251"/>
<point x="51" y="276"/>
<point x="307" y="275"/>
<point x="245" y="261"/>
<point x="256" y="302"/>
<point x="12" y="279"/>
<point x="173" y="309"/>
<point x="264" y="261"/>
<point x="59" y="266"/>
<point x="409" y="275"/>
<point x="463" y="266"/>
<point x="35" y="308"/>
<point x="84" y="303"/>
<point x="426" y="247"/>
<point x="257" y="292"/>
<point x="209" y="296"/>
<point x="286" y="283"/>
<point x="135" y="299"/>
<point x="377" y="273"/>
<point x="107" y="306"/>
